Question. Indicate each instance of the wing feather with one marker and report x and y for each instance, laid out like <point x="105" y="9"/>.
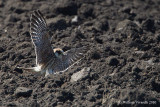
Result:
<point x="40" y="38"/>
<point x="69" y="59"/>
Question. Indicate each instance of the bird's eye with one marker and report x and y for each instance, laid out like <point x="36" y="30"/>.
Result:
<point x="59" y="52"/>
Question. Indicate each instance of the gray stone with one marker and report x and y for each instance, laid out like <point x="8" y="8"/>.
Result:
<point x="23" y="92"/>
<point x="80" y="74"/>
<point x="74" y="20"/>
<point x="125" y="23"/>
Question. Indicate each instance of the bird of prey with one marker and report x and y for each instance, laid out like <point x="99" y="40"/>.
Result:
<point x="49" y="60"/>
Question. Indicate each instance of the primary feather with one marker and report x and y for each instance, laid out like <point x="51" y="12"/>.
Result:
<point x="40" y="38"/>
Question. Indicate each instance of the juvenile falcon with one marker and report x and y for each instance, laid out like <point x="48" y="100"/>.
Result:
<point x="48" y="60"/>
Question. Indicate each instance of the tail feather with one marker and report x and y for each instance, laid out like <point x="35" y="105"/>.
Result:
<point x="26" y="69"/>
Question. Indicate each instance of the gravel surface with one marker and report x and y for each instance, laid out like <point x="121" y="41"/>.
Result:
<point x="121" y="68"/>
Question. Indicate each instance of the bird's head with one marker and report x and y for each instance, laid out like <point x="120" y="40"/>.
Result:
<point x="58" y="52"/>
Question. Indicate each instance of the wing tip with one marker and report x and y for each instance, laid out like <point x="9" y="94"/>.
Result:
<point x="37" y="17"/>
<point x="37" y="24"/>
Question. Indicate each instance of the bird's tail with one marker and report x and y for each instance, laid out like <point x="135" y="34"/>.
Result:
<point x="26" y="69"/>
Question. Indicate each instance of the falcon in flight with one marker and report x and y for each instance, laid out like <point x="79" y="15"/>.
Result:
<point x="48" y="60"/>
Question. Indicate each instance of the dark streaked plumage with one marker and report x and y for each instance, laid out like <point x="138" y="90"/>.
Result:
<point x="48" y="60"/>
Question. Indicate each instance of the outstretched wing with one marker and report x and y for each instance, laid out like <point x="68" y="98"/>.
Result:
<point x="40" y="38"/>
<point x="69" y="59"/>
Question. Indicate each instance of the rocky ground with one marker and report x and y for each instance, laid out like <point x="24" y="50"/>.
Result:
<point x="120" y="69"/>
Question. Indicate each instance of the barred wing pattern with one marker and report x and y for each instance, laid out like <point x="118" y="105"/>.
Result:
<point x="40" y="38"/>
<point x="69" y="59"/>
